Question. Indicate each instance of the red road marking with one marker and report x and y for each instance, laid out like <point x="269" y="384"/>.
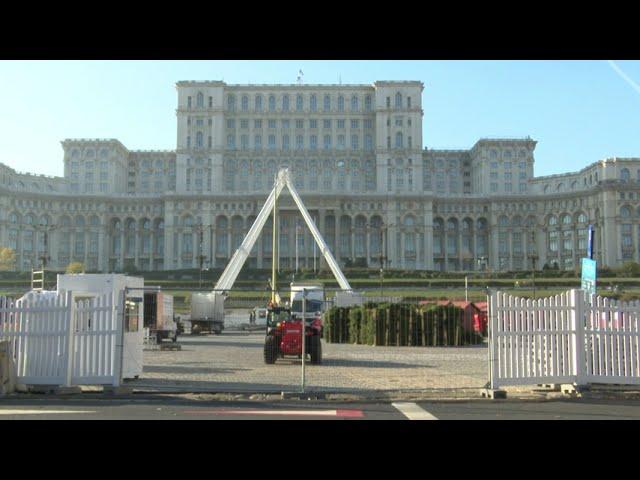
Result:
<point x="284" y="413"/>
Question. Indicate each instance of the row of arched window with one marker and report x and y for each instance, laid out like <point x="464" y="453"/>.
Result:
<point x="625" y="175"/>
<point x="45" y="220"/>
<point x="131" y="224"/>
<point x="561" y="187"/>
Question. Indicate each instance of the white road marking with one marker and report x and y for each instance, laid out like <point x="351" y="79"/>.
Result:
<point x="413" y="411"/>
<point x="302" y="413"/>
<point x="41" y="412"/>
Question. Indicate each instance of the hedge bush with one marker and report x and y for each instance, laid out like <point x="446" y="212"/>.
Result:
<point x="399" y="325"/>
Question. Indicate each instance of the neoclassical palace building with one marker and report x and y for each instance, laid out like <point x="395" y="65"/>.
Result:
<point x="356" y="154"/>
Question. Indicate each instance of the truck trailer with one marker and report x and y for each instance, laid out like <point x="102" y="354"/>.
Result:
<point x="158" y="316"/>
<point x="207" y="313"/>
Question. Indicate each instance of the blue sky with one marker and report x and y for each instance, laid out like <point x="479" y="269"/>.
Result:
<point x="578" y="111"/>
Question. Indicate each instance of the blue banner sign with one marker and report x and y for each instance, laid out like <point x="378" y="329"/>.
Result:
<point x="589" y="276"/>
<point x="590" y="243"/>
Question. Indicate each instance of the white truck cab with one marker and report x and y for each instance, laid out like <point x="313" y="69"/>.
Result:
<point x="315" y="304"/>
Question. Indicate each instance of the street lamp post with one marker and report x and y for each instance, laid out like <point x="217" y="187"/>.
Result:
<point x="44" y="258"/>
<point x="297" y="243"/>
<point x="201" y="256"/>
<point x="533" y="258"/>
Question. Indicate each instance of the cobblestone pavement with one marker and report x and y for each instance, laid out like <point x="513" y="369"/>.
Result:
<point x="233" y="362"/>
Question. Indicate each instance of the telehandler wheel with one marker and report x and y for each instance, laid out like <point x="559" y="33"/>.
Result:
<point x="316" y="350"/>
<point x="270" y="350"/>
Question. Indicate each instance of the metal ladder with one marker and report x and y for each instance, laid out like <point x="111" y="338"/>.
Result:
<point x="37" y="280"/>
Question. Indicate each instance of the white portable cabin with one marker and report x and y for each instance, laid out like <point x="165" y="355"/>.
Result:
<point x="85" y="285"/>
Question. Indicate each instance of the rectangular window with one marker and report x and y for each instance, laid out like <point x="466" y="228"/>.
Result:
<point x="244" y="123"/>
<point x="285" y="123"/>
<point x="231" y="123"/>
<point x="341" y="124"/>
<point x="313" y="123"/>
<point x="326" y="123"/>
<point x="355" y="124"/>
<point x="299" y="124"/>
<point x="272" y="124"/>
<point x="368" y="142"/>
<point x="503" y="247"/>
<point x="368" y="124"/>
<point x="257" y="123"/>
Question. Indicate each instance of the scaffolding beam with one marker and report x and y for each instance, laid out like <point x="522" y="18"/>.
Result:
<point x="232" y="270"/>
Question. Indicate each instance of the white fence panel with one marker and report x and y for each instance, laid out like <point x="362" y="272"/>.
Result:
<point x="94" y="341"/>
<point x="37" y="328"/>
<point x="612" y="338"/>
<point x="531" y="341"/>
<point x="563" y="339"/>
<point x="55" y="340"/>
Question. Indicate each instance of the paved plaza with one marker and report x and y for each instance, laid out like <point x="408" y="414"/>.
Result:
<point x="234" y="362"/>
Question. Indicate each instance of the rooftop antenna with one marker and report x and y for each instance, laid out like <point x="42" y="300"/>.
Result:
<point x="340" y="79"/>
<point x="300" y="75"/>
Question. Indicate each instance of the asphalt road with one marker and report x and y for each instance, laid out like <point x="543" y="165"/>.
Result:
<point x="176" y="408"/>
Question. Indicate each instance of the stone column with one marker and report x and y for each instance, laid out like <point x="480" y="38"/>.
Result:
<point x="168" y="245"/>
<point x="459" y="240"/>
<point x="428" y="237"/>
<point x="338" y="238"/>
<point x="320" y="262"/>
<point x="353" y="240"/>
<point x="611" y="248"/>
<point x="86" y="237"/>
<point x="179" y="255"/>
<point x="214" y="246"/>
<point x="137" y="233"/>
<point x="122" y="247"/>
<point x="368" y="247"/>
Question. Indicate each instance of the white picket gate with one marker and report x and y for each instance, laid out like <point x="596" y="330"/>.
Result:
<point x="58" y="340"/>
<point x="563" y="339"/>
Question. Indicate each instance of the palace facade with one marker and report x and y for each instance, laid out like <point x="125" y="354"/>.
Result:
<point x="356" y="154"/>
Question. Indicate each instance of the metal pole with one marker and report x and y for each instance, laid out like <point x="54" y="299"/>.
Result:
<point x="297" y="241"/>
<point x="274" y="261"/>
<point x="304" y="336"/>
<point x="466" y="288"/>
<point x="382" y="258"/>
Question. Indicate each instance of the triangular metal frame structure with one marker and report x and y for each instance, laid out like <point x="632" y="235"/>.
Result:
<point x="283" y="179"/>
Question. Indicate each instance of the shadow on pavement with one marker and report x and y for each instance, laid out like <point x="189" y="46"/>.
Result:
<point x="344" y="362"/>
<point x="188" y="370"/>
